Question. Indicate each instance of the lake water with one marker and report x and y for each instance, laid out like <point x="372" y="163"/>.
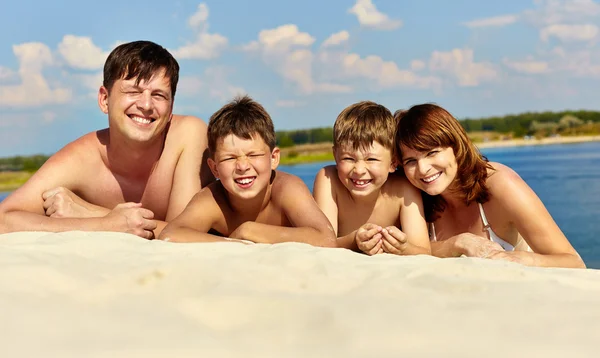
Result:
<point x="565" y="177"/>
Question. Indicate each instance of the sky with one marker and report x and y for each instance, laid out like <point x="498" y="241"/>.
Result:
<point x="303" y="60"/>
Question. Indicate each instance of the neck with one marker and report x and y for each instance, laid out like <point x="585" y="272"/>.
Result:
<point x="369" y="200"/>
<point x="133" y="159"/>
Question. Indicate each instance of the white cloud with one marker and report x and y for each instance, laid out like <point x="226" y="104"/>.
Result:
<point x="199" y="19"/>
<point x="550" y="12"/>
<point x="189" y="86"/>
<point x="48" y="116"/>
<point x="384" y="73"/>
<point x="80" y="52"/>
<point x="286" y="50"/>
<point x="569" y="33"/>
<point x="206" y="45"/>
<point x="34" y="90"/>
<point x="417" y="65"/>
<point x="336" y="39"/>
<point x="496" y="21"/>
<point x="214" y="83"/>
<point x="459" y="64"/>
<point x="368" y="16"/>
<point x="6" y="73"/>
<point x="529" y="66"/>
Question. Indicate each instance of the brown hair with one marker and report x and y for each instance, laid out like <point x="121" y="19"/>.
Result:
<point x="142" y="60"/>
<point x="244" y="118"/>
<point x="427" y="126"/>
<point x="363" y="123"/>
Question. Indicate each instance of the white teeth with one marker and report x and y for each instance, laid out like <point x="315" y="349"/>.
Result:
<point x="245" y="181"/>
<point x="141" y="120"/>
<point x="361" y="182"/>
<point x="432" y="178"/>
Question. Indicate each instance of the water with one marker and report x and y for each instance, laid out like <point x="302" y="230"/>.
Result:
<point x="565" y="177"/>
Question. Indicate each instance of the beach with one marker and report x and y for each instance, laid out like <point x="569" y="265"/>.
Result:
<point x="84" y="294"/>
<point x="541" y="141"/>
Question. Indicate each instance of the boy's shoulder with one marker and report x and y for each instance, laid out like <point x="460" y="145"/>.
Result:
<point x="285" y="184"/>
<point x="396" y="184"/>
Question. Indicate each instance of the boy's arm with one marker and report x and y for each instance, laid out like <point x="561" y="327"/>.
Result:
<point x="23" y="210"/>
<point x="196" y="220"/>
<point x="412" y="221"/>
<point x="309" y="224"/>
<point x="325" y="196"/>
<point x="190" y="173"/>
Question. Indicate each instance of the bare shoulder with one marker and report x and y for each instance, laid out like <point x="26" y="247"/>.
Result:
<point x="208" y="198"/>
<point x="502" y="178"/>
<point x="285" y="184"/>
<point x="397" y="185"/>
<point x="84" y="150"/>
<point x="187" y="125"/>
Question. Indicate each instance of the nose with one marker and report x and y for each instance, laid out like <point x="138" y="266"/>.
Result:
<point x="145" y="101"/>
<point x="360" y="168"/>
<point x="241" y="164"/>
<point x="423" y="166"/>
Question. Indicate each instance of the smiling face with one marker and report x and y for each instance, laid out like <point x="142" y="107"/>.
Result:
<point x="365" y="170"/>
<point x="139" y="112"/>
<point x="432" y="171"/>
<point x="243" y="165"/>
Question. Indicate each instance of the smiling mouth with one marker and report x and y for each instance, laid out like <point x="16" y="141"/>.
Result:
<point x="142" y="120"/>
<point x="432" y="178"/>
<point x="361" y="183"/>
<point x="245" y="182"/>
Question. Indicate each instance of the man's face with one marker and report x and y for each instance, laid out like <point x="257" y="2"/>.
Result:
<point x="138" y="112"/>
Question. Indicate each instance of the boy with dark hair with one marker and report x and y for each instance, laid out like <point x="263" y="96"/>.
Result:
<point x="132" y="176"/>
<point x="370" y="210"/>
<point x="250" y="200"/>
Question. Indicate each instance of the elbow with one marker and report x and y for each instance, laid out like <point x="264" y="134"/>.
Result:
<point x="328" y="239"/>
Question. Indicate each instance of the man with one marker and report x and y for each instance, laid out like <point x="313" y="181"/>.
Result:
<point x="133" y="176"/>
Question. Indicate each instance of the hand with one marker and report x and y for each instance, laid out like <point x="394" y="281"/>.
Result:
<point x="369" y="239"/>
<point x="60" y="202"/>
<point x="394" y="240"/>
<point x="476" y="246"/>
<point x="132" y="218"/>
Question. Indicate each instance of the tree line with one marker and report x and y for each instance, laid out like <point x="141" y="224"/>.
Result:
<point x="539" y="124"/>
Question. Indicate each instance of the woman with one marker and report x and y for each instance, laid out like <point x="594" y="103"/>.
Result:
<point x="475" y="207"/>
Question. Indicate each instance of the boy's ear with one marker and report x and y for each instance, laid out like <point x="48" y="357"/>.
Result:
<point x="275" y="156"/>
<point x="394" y="164"/>
<point x="103" y="99"/>
<point x="213" y="167"/>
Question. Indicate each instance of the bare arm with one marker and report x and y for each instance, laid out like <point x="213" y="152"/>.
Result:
<point x="189" y="174"/>
<point x="533" y="221"/>
<point x="309" y="224"/>
<point x="326" y="198"/>
<point x="412" y="220"/>
<point x="24" y="209"/>
<point x="196" y="220"/>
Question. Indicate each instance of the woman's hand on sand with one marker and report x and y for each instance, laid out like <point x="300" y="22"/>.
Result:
<point x="369" y="239"/>
<point x="61" y="202"/>
<point x="133" y="219"/>
<point x="476" y="246"/>
<point x="394" y="240"/>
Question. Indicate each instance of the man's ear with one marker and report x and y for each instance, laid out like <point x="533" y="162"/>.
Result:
<point x="103" y="99"/>
<point x="213" y="167"/>
<point x="275" y="156"/>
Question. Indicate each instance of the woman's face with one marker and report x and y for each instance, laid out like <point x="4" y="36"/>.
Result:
<point x="432" y="171"/>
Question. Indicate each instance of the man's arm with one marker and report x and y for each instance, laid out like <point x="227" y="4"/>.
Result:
<point x="309" y="224"/>
<point x="191" y="172"/>
<point x="23" y="210"/>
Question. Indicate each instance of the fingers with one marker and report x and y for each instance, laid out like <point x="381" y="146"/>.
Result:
<point x="377" y="248"/>
<point x="147" y="214"/>
<point x="50" y="193"/>
<point x="128" y="205"/>
<point x="367" y="231"/>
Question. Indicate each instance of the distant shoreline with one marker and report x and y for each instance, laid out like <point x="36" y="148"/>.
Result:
<point x="544" y="141"/>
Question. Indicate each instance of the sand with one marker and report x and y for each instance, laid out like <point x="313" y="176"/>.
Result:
<point x="81" y="294"/>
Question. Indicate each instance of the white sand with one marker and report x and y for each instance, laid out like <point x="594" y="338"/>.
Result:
<point x="114" y="295"/>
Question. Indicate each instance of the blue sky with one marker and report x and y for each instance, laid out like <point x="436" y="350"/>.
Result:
<point x="303" y="60"/>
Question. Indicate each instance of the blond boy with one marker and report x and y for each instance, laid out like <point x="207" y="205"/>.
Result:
<point x="370" y="210"/>
<point x="250" y="200"/>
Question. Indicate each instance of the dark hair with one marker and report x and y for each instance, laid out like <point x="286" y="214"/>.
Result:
<point x="242" y="117"/>
<point x="427" y="126"/>
<point x="363" y="123"/>
<point x="142" y="60"/>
